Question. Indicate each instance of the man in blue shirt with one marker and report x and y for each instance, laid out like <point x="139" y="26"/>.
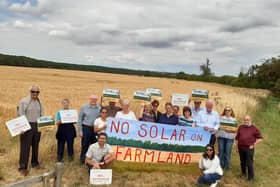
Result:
<point x="196" y="109"/>
<point x="168" y="117"/>
<point x="88" y="114"/>
<point x="209" y="120"/>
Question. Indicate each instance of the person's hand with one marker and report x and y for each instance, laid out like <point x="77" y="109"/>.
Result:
<point x="236" y="149"/>
<point x="105" y="126"/>
<point x="201" y="174"/>
<point x="81" y="136"/>
<point x="251" y="146"/>
<point x="101" y="163"/>
<point x="212" y="130"/>
<point x="21" y="132"/>
<point x="206" y="128"/>
<point x="96" y="166"/>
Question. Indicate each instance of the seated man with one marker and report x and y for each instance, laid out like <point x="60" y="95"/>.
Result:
<point x="100" y="155"/>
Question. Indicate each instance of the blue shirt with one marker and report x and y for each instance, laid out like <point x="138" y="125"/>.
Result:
<point x="172" y="120"/>
<point x="88" y="115"/>
<point x="210" y="120"/>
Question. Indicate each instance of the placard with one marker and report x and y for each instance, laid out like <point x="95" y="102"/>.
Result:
<point x="154" y="91"/>
<point x="142" y="95"/>
<point x="111" y="93"/>
<point x="100" y="176"/>
<point x="199" y="93"/>
<point x="69" y="116"/>
<point x="18" y="125"/>
<point x="180" y="99"/>
<point x="46" y="122"/>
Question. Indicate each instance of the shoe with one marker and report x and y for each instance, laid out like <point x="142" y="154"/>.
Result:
<point x="38" y="166"/>
<point x="70" y="158"/>
<point x="23" y="172"/>
<point x="214" y="184"/>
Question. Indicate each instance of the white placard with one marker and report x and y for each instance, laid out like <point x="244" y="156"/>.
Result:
<point x="111" y="93"/>
<point x="154" y="91"/>
<point x="100" y="176"/>
<point x="142" y="95"/>
<point x="68" y="116"/>
<point x="180" y="99"/>
<point x="18" y="125"/>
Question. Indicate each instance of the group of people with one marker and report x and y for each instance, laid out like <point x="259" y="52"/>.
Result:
<point x="92" y="124"/>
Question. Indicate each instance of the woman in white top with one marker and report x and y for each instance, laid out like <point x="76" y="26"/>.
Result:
<point x="210" y="168"/>
<point x="100" y="124"/>
<point x="125" y="113"/>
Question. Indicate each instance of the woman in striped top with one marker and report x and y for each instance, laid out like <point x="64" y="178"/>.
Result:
<point x="186" y="119"/>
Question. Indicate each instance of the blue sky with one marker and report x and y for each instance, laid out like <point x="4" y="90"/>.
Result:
<point x="160" y="35"/>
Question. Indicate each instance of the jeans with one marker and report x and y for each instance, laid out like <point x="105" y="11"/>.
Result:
<point x="209" y="178"/>
<point x="87" y="139"/>
<point x="212" y="139"/>
<point x="60" y="148"/>
<point x="247" y="161"/>
<point x="225" y="146"/>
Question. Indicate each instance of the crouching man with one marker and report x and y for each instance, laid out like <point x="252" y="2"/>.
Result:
<point x="100" y="155"/>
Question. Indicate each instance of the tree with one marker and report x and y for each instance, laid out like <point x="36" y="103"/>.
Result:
<point x="205" y="68"/>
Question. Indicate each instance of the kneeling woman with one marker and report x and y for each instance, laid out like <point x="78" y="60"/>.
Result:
<point x="209" y="165"/>
<point x="66" y="132"/>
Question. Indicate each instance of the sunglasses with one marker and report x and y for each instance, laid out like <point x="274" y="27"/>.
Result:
<point x="35" y="92"/>
<point x="209" y="149"/>
<point x="228" y="110"/>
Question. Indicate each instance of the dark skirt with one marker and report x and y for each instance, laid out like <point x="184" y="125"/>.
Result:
<point x="66" y="131"/>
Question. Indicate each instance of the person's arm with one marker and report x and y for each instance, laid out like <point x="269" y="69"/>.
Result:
<point x="214" y="166"/>
<point x="257" y="141"/>
<point x="58" y="121"/>
<point x="42" y="109"/>
<point x="141" y="113"/>
<point x="217" y="123"/>
<point x="133" y="116"/>
<point x="236" y="140"/>
<point x="91" y="163"/>
<point x="80" y="121"/>
<point x="98" y="129"/>
<point x="21" y="108"/>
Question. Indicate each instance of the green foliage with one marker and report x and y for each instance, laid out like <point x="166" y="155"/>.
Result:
<point x="155" y="146"/>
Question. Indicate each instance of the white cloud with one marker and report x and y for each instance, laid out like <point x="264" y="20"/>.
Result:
<point x="155" y="33"/>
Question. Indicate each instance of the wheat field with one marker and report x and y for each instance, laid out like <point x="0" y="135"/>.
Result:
<point x="77" y="86"/>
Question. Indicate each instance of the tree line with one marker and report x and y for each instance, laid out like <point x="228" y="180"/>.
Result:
<point x="264" y="76"/>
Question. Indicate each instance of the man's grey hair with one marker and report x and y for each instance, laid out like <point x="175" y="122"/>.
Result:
<point x="34" y="86"/>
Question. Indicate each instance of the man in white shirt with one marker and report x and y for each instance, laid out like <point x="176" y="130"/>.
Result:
<point x="196" y="109"/>
<point x="100" y="155"/>
<point x="209" y="120"/>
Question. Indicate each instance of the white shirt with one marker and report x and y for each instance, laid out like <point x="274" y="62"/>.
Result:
<point x="195" y="114"/>
<point x="210" y="166"/>
<point x="97" y="153"/>
<point x="210" y="120"/>
<point x="129" y="116"/>
<point x="100" y="123"/>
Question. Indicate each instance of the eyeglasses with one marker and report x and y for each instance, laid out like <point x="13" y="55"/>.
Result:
<point x="228" y="110"/>
<point x="35" y="92"/>
<point x="209" y="149"/>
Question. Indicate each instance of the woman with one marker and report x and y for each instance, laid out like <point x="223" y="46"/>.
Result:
<point x="147" y="114"/>
<point x="125" y="113"/>
<point x="100" y="124"/>
<point x="226" y="138"/>
<point x="66" y="132"/>
<point x="186" y="119"/>
<point x="210" y="168"/>
<point x="168" y="117"/>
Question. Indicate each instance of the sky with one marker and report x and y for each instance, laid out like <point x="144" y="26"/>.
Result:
<point x="160" y="35"/>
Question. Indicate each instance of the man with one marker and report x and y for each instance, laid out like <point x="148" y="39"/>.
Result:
<point x="209" y="120"/>
<point x="32" y="108"/>
<point x="88" y="115"/>
<point x="100" y="155"/>
<point x="168" y="117"/>
<point x="196" y="109"/>
<point x="112" y="109"/>
<point x="248" y="135"/>
<point x="155" y="111"/>
<point x="176" y="110"/>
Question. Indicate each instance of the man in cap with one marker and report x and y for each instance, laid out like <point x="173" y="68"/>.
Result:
<point x="88" y="113"/>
